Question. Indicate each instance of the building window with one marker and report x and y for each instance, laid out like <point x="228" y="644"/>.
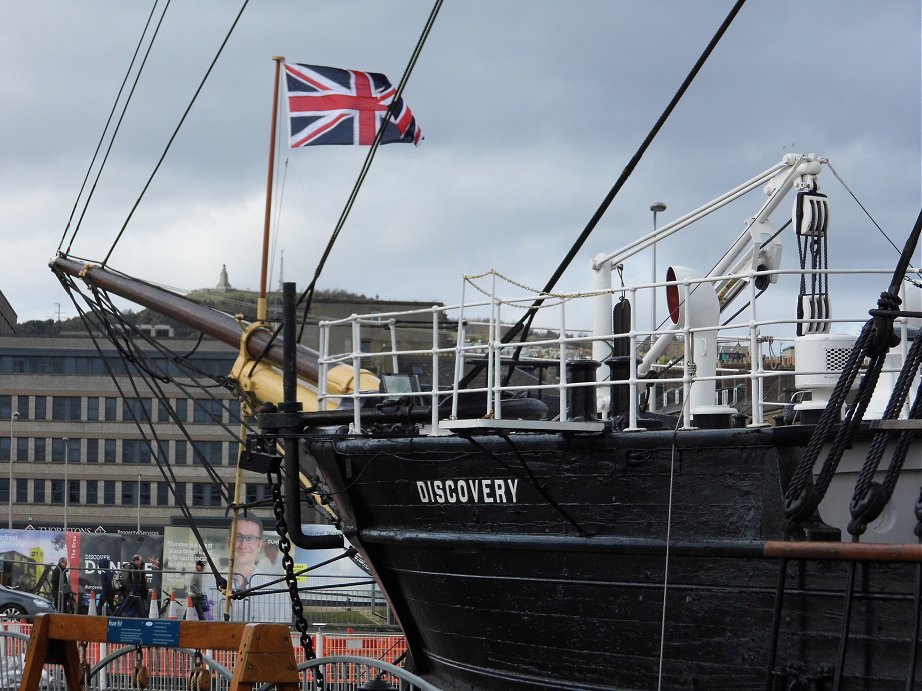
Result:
<point x="22" y="405"/>
<point x="108" y="492"/>
<point x="198" y="494"/>
<point x="205" y="494"/>
<point x="138" y="409"/>
<point x="256" y="492"/>
<point x="207" y="410"/>
<point x="163" y="411"/>
<point x="135" y="451"/>
<point x="180" y="488"/>
<point x="38" y="492"/>
<point x="22" y="491"/>
<point x="111" y="408"/>
<point x="40" y="454"/>
<point x="210" y="450"/>
<point x="40" y="407"/>
<point x="5" y="448"/>
<point x="163" y="494"/>
<point x="6" y="407"/>
<point x="92" y="492"/>
<point x="57" y="491"/>
<point x="22" y="449"/>
<point x="129" y="492"/>
<point x="4" y="490"/>
<point x="73" y="493"/>
<point x="92" y="451"/>
<point x="182" y="409"/>
<point x="92" y="408"/>
<point x="109" y="451"/>
<point x="233" y="451"/>
<point x="145" y="494"/>
<point x="180" y="451"/>
<point x="65" y="408"/>
<point x="65" y="450"/>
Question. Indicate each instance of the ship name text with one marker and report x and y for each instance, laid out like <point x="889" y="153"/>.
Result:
<point x="468" y="491"/>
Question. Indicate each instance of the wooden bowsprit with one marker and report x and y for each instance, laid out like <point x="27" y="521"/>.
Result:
<point x="264" y="651"/>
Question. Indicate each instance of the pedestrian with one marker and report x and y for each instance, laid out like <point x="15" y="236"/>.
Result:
<point x="107" y="594"/>
<point x="195" y="589"/>
<point x="134" y="589"/>
<point x="60" y="587"/>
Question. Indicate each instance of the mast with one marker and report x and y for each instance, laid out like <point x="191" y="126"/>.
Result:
<point x="264" y="269"/>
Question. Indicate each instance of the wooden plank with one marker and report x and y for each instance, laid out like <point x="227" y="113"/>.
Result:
<point x="264" y="651"/>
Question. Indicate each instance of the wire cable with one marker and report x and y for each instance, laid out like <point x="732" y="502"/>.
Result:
<point x="524" y="323"/>
<point x="308" y="294"/>
<point x="175" y="132"/>
<point x="105" y="129"/>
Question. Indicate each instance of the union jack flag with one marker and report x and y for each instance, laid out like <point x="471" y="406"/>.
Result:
<point x="327" y="105"/>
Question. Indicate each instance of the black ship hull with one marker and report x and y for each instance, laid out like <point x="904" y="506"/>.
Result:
<point x="541" y="561"/>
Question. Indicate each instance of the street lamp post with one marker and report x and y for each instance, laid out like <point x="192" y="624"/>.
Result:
<point x="655" y="207"/>
<point x="66" y="489"/>
<point x="13" y="418"/>
<point x="139" y="503"/>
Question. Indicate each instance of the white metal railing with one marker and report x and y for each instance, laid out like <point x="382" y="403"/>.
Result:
<point x="756" y="330"/>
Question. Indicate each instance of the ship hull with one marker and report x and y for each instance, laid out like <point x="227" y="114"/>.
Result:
<point x="610" y="561"/>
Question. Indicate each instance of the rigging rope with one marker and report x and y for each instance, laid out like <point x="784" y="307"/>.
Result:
<point x="99" y="310"/>
<point x="805" y="493"/>
<point x="524" y="323"/>
<point x="175" y="132"/>
<point x="105" y="129"/>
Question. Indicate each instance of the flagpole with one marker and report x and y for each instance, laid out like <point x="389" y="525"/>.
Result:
<point x="261" y="308"/>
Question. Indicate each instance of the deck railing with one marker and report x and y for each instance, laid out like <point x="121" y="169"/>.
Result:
<point x="760" y="334"/>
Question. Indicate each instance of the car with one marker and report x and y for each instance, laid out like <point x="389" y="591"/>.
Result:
<point x="17" y="604"/>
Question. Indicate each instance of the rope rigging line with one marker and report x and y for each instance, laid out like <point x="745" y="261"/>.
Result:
<point x="70" y="288"/>
<point x="105" y="129"/>
<point x="153" y="383"/>
<point x="524" y="323"/>
<point x="101" y="307"/>
<point x="862" y="207"/>
<point x="308" y="294"/>
<point x="175" y="132"/>
<point x="805" y="492"/>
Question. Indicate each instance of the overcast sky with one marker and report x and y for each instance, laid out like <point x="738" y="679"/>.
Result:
<point x="530" y="109"/>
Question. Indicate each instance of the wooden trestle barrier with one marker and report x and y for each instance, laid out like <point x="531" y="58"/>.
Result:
<point x="264" y="651"/>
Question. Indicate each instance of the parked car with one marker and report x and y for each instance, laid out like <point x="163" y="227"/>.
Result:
<point x="16" y="604"/>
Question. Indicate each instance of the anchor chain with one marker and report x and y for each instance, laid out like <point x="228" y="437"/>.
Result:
<point x="281" y="526"/>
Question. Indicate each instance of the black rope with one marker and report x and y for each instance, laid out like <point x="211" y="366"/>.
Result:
<point x="105" y="129"/>
<point x="175" y="132"/>
<point x="524" y="323"/>
<point x="870" y="498"/>
<point x="165" y="469"/>
<point x="308" y="295"/>
<point x="876" y="338"/>
<point x="530" y="476"/>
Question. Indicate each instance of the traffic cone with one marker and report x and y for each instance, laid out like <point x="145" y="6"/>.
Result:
<point x="191" y="614"/>
<point x="153" y="612"/>
<point x="92" y="611"/>
<point x="172" y="612"/>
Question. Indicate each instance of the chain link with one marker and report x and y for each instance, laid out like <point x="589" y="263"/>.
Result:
<point x="281" y="526"/>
